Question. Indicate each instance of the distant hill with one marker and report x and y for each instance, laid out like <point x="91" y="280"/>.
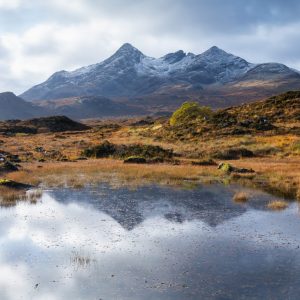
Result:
<point x="13" y="107"/>
<point x="269" y="115"/>
<point x="214" y="78"/>
<point x="281" y="108"/>
<point x="41" y="125"/>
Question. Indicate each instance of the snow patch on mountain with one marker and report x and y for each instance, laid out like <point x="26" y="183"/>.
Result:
<point x="129" y="72"/>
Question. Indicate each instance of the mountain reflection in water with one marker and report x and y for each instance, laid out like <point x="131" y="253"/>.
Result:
<point x="149" y="243"/>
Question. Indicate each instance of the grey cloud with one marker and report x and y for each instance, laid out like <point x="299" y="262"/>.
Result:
<point x="257" y="30"/>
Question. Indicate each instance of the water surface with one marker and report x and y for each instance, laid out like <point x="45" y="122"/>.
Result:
<point x="150" y="243"/>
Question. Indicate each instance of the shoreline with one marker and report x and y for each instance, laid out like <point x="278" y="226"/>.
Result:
<point x="276" y="176"/>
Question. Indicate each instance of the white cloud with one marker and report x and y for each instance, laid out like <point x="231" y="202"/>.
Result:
<point x="38" y="38"/>
<point x="9" y="4"/>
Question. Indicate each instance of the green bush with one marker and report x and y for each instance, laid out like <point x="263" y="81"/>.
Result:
<point x="190" y="111"/>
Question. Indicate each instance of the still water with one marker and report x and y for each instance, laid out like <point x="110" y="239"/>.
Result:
<point x="149" y="243"/>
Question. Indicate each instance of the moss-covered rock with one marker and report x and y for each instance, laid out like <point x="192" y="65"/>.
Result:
<point x="228" y="168"/>
<point x="225" y="167"/>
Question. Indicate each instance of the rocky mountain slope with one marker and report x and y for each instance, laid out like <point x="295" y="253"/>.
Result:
<point x="86" y="107"/>
<point x="214" y="77"/>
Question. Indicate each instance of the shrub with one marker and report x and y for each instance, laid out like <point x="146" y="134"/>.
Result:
<point x="190" y="111"/>
<point x="107" y="149"/>
<point x="233" y="153"/>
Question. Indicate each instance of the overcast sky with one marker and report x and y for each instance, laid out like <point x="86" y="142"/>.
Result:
<point x="39" y="37"/>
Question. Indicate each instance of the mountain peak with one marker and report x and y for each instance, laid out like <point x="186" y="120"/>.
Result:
<point x="174" y="57"/>
<point x="7" y="94"/>
<point x="129" y="73"/>
<point x="214" y="50"/>
<point x="128" y="48"/>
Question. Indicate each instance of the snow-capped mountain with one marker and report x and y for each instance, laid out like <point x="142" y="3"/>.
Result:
<point x="131" y="74"/>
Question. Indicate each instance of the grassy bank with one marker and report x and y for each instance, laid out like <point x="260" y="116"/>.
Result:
<point x="272" y="175"/>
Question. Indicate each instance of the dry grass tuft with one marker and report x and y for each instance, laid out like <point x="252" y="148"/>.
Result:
<point x="80" y="260"/>
<point x="240" y="197"/>
<point x="278" y="205"/>
<point x="298" y="194"/>
<point x="114" y="172"/>
<point x="10" y="196"/>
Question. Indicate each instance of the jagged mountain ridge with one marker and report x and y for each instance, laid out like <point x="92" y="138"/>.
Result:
<point x="130" y="74"/>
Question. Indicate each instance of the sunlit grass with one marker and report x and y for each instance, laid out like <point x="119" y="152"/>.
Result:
<point x="240" y="197"/>
<point x="277" y="205"/>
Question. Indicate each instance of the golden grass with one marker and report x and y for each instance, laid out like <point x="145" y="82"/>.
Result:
<point x="278" y="205"/>
<point x="278" y="176"/>
<point x="115" y="172"/>
<point x="278" y="172"/>
<point x="240" y="197"/>
<point x="9" y="197"/>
